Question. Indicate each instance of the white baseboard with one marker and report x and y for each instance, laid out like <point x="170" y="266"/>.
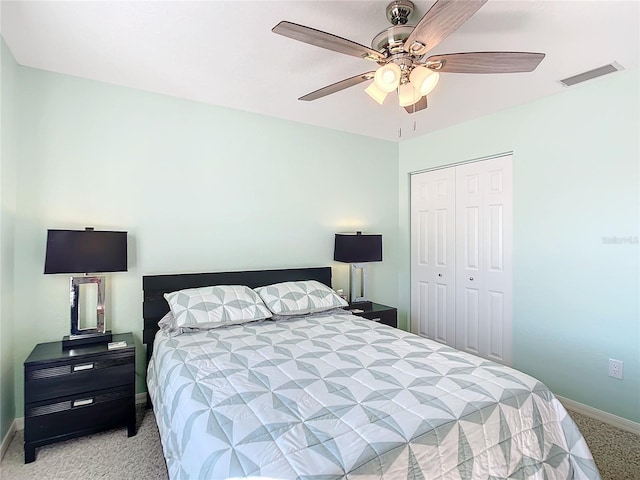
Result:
<point x="4" y="446"/>
<point x="606" y="417"/>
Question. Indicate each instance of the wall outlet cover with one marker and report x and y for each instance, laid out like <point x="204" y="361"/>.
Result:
<point x="616" y="368"/>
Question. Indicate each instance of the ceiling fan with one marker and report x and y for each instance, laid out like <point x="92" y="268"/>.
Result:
<point x="400" y="51"/>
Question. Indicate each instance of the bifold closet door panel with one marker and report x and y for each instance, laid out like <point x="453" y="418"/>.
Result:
<point x="484" y="231"/>
<point x="433" y="255"/>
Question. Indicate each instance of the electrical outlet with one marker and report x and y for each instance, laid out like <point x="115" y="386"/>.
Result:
<point x="616" y="368"/>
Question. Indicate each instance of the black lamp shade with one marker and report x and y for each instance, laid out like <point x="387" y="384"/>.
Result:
<point x="85" y="251"/>
<point x="357" y="248"/>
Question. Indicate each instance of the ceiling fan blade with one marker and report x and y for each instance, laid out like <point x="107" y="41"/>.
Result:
<point x="336" y="87"/>
<point x="442" y="19"/>
<point x="419" y="105"/>
<point x="487" y="62"/>
<point x="326" y="40"/>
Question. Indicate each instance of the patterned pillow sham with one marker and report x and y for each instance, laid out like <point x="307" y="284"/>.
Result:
<point x="211" y="307"/>
<point x="169" y="326"/>
<point x="297" y="298"/>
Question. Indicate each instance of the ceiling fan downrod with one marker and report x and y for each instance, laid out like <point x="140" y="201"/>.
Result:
<point x="399" y="11"/>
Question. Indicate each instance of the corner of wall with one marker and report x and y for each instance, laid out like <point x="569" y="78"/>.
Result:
<point x="8" y="72"/>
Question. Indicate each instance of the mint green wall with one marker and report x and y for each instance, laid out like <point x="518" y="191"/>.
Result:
<point x="202" y="188"/>
<point x="7" y="215"/>
<point x="199" y="188"/>
<point x="576" y="157"/>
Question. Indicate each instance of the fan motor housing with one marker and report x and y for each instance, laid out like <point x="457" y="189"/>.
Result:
<point x="392" y="39"/>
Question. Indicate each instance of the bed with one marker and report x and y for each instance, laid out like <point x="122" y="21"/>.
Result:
<point x="326" y="395"/>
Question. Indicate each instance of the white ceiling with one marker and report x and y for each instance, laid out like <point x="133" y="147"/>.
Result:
<point x="224" y="53"/>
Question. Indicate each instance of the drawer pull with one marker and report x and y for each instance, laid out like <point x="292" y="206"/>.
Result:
<point x="375" y="319"/>
<point x="82" y="403"/>
<point x="79" y="368"/>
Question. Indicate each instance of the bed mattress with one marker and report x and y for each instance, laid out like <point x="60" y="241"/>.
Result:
<point x="336" y="396"/>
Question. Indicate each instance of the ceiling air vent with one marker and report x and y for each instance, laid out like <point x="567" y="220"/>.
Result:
<point x="596" y="72"/>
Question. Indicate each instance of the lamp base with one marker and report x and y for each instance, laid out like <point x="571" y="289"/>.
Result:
<point x="75" y="341"/>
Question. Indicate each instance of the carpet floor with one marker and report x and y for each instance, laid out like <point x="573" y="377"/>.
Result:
<point x="111" y="455"/>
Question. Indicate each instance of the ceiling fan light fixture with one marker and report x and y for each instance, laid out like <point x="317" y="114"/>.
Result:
<point x="387" y="77"/>
<point x="424" y="79"/>
<point x="374" y="92"/>
<point x="407" y="95"/>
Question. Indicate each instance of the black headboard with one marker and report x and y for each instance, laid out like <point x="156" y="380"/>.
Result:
<point x="154" y="306"/>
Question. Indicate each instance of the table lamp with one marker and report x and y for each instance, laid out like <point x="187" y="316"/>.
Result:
<point x="358" y="250"/>
<point x="86" y="251"/>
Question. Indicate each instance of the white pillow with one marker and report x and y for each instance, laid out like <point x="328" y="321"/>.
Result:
<point x="211" y="307"/>
<point x="168" y="325"/>
<point x="297" y="298"/>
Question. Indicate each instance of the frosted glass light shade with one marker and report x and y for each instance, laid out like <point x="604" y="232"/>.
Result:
<point x="424" y="79"/>
<point x="387" y="77"/>
<point x="407" y="95"/>
<point x="374" y="92"/>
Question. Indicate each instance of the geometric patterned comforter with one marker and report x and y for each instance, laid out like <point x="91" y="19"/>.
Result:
<point x="336" y="396"/>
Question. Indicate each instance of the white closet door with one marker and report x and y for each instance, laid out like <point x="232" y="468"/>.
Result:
<point x="461" y="248"/>
<point x="484" y="225"/>
<point x="433" y="254"/>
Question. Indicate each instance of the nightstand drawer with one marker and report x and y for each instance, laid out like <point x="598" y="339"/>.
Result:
<point x="82" y="412"/>
<point x="377" y="313"/>
<point x="62" y="379"/>
<point x="387" y="317"/>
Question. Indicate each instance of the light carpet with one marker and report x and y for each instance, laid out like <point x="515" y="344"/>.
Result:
<point x="106" y="456"/>
<point x="111" y="455"/>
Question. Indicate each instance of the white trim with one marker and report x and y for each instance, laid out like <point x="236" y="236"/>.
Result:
<point x="19" y="422"/>
<point x="460" y="162"/>
<point x="606" y="417"/>
<point x="6" y="441"/>
<point x="141" y="398"/>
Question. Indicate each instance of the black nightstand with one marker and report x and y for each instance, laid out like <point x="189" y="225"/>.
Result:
<point x="377" y="312"/>
<point x="71" y="393"/>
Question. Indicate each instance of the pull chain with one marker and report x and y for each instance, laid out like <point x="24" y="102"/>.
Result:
<point x="399" y="120"/>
